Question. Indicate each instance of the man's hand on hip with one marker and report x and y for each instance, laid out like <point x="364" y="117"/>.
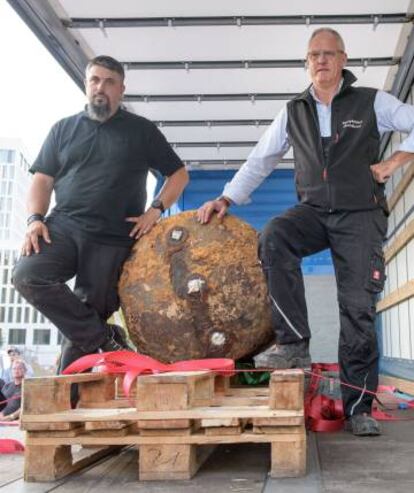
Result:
<point x="382" y="171"/>
<point x="143" y="223"/>
<point x="35" y="230"/>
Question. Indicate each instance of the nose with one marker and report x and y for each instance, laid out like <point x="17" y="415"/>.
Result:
<point x="100" y="86"/>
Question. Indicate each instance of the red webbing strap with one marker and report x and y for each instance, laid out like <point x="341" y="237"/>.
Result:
<point x="134" y="364"/>
<point x="10" y="446"/>
<point x="321" y="412"/>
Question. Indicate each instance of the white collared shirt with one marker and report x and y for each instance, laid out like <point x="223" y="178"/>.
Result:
<point x="391" y="114"/>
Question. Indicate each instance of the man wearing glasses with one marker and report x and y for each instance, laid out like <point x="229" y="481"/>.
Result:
<point x="335" y="130"/>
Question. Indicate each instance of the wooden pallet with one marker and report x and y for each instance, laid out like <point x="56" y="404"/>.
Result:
<point x="175" y="419"/>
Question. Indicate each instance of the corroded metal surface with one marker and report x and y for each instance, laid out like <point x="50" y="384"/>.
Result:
<point x="196" y="291"/>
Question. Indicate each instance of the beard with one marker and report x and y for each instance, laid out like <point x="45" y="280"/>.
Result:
<point x="99" y="108"/>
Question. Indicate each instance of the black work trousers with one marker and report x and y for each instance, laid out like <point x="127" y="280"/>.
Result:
<point x="81" y="314"/>
<point x="355" y="239"/>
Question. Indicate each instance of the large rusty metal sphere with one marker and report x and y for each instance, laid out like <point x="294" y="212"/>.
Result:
<point x="196" y="291"/>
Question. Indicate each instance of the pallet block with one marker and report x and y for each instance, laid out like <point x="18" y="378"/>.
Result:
<point x="175" y="419"/>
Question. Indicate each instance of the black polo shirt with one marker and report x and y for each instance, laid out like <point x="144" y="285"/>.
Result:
<point x="100" y="171"/>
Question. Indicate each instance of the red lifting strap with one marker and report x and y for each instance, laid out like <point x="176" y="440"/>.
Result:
<point x="135" y="364"/>
<point x="9" y="446"/>
<point x="322" y="413"/>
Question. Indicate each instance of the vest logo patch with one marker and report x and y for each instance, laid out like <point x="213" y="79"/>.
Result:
<point x="352" y="124"/>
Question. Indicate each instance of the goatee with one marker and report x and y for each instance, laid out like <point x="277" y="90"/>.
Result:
<point x="99" y="112"/>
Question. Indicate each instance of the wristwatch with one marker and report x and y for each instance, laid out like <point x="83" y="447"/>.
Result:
<point x="35" y="217"/>
<point x="157" y="204"/>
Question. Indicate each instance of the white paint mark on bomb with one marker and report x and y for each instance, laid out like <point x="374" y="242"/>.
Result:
<point x="176" y="234"/>
<point x="195" y="285"/>
<point x="218" y="338"/>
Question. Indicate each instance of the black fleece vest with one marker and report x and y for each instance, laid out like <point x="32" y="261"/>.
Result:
<point x="335" y="174"/>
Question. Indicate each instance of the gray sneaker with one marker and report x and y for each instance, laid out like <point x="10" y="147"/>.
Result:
<point x="363" y="425"/>
<point x="284" y="356"/>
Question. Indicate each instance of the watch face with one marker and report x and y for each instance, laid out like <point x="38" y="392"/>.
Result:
<point x="157" y="204"/>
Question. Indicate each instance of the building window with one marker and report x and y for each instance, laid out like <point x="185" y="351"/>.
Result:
<point x="17" y="336"/>
<point x="12" y="295"/>
<point x="41" y="336"/>
<point x="6" y="155"/>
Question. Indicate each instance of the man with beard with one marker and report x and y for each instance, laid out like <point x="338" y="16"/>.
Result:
<point x="96" y="162"/>
<point x="335" y="130"/>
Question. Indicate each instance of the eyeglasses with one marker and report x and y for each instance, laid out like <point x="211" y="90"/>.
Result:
<point x="328" y="54"/>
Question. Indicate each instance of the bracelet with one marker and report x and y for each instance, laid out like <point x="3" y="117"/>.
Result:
<point x="35" y="217"/>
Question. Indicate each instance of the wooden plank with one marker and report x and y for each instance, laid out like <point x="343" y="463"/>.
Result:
<point x="198" y="438"/>
<point x="207" y="423"/>
<point x="109" y="404"/>
<point x="290" y="421"/>
<point x="105" y="425"/>
<point x="401" y="187"/>
<point x="398" y="296"/>
<point x="77" y="378"/>
<point x="160" y="397"/>
<point x="47" y="463"/>
<point x="221" y="384"/>
<point x="98" y="391"/>
<point x="399" y="242"/>
<point x="276" y="430"/>
<point x="114" y="433"/>
<point x="248" y="391"/>
<point x="162" y="462"/>
<point x="45" y="395"/>
<point x="81" y="415"/>
<point x="159" y="424"/>
<point x="174" y="391"/>
<point x="225" y="400"/>
<point x="58" y="433"/>
<point x="166" y="462"/>
<point x="401" y="384"/>
<point x="50" y="426"/>
<point x="288" y="459"/>
<point x="160" y="433"/>
<point x="287" y="389"/>
<point x="174" y="377"/>
<point x="218" y="431"/>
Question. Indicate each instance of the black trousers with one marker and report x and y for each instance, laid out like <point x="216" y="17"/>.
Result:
<point x="81" y="314"/>
<point x="355" y="240"/>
